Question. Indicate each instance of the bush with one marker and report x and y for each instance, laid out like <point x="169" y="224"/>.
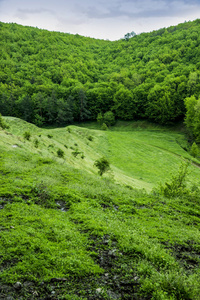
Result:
<point x="194" y="151"/>
<point x="49" y="136"/>
<point x="90" y="138"/>
<point x="177" y="186"/>
<point x="60" y="153"/>
<point x="104" y="127"/>
<point x="27" y="135"/>
<point x="36" y="143"/>
<point x="3" y="124"/>
<point x="109" y="118"/>
<point x="103" y="165"/>
<point x="76" y="152"/>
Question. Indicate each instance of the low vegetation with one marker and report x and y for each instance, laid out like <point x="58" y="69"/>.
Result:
<point x="67" y="233"/>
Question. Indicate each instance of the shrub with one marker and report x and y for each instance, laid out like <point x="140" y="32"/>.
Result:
<point x="60" y="153"/>
<point x="76" y="152"/>
<point x="27" y="135"/>
<point x="3" y="124"/>
<point x="50" y="136"/>
<point x="69" y="129"/>
<point x="90" y="138"/>
<point x="194" y="151"/>
<point x="103" y="165"/>
<point x="104" y="127"/>
<point x="109" y="118"/>
<point x="36" y="143"/>
<point x="177" y="185"/>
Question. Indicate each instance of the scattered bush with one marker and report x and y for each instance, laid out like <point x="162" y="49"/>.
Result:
<point x="3" y="124"/>
<point x="104" y="127"/>
<point x="194" y="151"/>
<point x="109" y="118"/>
<point x="60" y="153"/>
<point x="66" y="146"/>
<point x="50" y="136"/>
<point x="27" y="135"/>
<point x="103" y="165"/>
<point x="69" y="129"/>
<point x="36" y="143"/>
<point x="177" y="185"/>
<point x="76" y="152"/>
<point x="90" y="138"/>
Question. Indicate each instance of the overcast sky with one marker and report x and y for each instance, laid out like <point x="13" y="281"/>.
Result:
<point x="104" y="19"/>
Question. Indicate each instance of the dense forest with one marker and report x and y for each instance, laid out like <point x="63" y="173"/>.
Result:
<point x="51" y="77"/>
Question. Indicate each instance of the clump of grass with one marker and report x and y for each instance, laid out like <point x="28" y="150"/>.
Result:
<point x="66" y="146"/>
<point x="50" y="136"/>
<point x="27" y="135"/>
<point x="90" y="138"/>
<point x="36" y="143"/>
<point x="60" y="153"/>
<point x="76" y="152"/>
<point x="69" y="129"/>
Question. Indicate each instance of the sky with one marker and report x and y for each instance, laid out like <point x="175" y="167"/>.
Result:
<point x="102" y="19"/>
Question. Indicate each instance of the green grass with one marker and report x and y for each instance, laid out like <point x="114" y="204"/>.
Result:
<point x="68" y="233"/>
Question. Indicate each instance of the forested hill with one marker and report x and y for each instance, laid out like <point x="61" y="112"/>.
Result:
<point x="48" y="77"/>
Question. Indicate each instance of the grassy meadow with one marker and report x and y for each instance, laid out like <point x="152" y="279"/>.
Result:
<point x="68" y="233"/>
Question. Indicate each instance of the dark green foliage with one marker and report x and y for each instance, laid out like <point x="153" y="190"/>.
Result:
<point x="76" y="152"/>
<point x="27" y="135"/>
<point x="49" y="136"/>
<point x="63" y="78"/>
<point x="90" y="138"/>
<point x="60" y="153"/>
<point x="192" y="119"/>
<point x="103" y="165"/>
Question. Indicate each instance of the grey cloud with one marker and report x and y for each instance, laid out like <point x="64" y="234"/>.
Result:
<point x="143" y="9"/>
<point x="35" y="11"/>
<point x="24" y="14"/>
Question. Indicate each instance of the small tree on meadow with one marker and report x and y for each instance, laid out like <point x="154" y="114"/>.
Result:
<point x="104" y="127"/>
<point x="103" y="165"/>
<point x="194" y="151"/>
<point x="109" y="118"/>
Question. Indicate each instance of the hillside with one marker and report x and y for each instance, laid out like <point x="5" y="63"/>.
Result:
<point x="67" y="233"/>
<point x="49" y="77"/>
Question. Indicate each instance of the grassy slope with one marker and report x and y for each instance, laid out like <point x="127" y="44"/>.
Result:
<point x="85" y="237"/>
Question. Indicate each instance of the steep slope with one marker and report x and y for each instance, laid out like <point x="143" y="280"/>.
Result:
<point x="139" y="158"/>
<point x="67" y="233"/>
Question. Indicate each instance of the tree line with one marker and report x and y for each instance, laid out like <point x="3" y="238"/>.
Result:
<point x="51" y="77"/>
